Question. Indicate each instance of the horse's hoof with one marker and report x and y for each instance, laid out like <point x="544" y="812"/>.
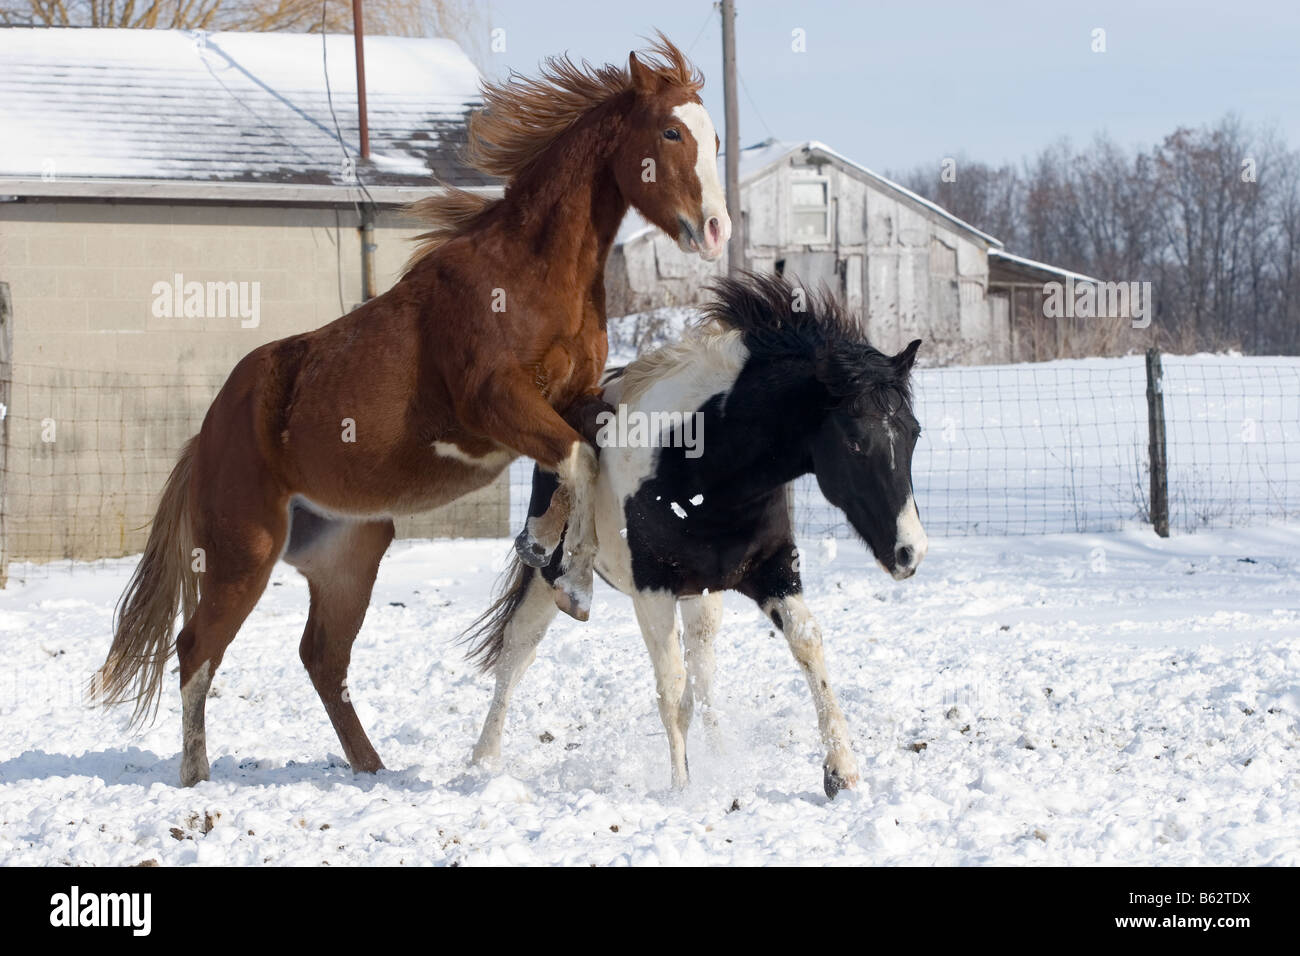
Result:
<point x="531" y="551"/>
<point x="577" y="606"/>
<point x="833" y="781"/>
<point x="573" y="591"/>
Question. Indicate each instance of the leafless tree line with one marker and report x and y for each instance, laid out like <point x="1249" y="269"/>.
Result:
<point x="389" y="17"/>
<point x="1210" y="216"/>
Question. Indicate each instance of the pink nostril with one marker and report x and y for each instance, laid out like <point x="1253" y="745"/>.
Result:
<point x="715" y="231"/>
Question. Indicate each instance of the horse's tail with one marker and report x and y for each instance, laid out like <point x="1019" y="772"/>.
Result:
<point x="146" y="613"/>
<point x="487" y="634"/>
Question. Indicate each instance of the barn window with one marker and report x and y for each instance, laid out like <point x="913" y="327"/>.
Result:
<point x="811" y="209"/>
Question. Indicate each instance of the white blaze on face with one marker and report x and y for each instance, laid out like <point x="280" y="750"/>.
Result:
<point x="910" y="535"/>
<point x="713" y="201"/>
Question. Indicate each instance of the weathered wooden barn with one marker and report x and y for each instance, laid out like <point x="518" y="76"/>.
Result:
<point x="169" y="201"/>
<point x="909" y="267"/>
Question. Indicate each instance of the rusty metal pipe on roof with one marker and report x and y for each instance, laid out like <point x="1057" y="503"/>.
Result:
<point x="359" y="39"/>
<point x="367" y="228"/>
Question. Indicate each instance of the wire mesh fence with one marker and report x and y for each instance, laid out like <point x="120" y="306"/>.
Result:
<point x="1024" y="449"/>
<point x="1234" y="440"/>
<point x="1063" y="447"/>
<point x="84" y="455"/>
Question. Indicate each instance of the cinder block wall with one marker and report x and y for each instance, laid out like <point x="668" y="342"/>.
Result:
<point x="104" y="393"/>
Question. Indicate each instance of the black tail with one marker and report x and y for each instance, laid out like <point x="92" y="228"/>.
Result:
<point x="487" y="634"/>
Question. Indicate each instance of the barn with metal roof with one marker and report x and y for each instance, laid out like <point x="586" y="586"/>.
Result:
<point x="907" y="266"/>
<point x="169" y="200"/>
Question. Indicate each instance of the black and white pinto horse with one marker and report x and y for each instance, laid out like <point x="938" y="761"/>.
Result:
<point x="777" y="392"/>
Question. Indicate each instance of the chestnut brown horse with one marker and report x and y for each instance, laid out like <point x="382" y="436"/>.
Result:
<point x="426" y="392"/>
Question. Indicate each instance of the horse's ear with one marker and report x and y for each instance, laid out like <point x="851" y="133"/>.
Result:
<point x="904" y="359"/>
<point x="643" y="80"/>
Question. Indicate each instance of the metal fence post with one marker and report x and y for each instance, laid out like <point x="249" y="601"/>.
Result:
<point x="1157" y="453"/>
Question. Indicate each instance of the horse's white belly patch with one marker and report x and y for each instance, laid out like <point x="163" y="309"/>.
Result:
<point x="493" y="459"/>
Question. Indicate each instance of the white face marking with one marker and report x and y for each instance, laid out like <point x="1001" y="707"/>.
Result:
<point x="713" y="201"/>
<point x="910" y="534"/>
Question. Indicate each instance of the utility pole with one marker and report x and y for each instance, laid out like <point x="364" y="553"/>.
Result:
<point x="736" y="248"/>
<point x="358" y="37"/>
<point x="367" y="227"/>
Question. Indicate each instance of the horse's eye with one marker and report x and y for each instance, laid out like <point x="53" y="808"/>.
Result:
<point x="672" y="134"/>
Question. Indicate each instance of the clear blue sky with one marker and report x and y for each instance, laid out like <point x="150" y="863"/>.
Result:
<point x="902" y="83"/>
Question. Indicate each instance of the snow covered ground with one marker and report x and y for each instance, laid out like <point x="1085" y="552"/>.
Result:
<point x="1074" y="699"/>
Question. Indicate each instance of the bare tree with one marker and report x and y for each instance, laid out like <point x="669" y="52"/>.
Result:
<point x="1211" y="217"/>
<point x="392" y="17"/>
<point x="973" y="191"/>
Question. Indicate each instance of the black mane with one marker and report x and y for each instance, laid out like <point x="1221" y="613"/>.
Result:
<point x="762" y="309"/>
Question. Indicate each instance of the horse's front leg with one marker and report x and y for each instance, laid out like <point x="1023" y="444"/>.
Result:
<point x="701" y="619"/>
<point x="777" y="589"/>
<point x="542" y="533"/>
<point x="512" y="411"/>
<point x="840" y="770"/>
<point x="573" y="588"/>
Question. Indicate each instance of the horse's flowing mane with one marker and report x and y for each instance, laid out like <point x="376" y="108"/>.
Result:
<point x="774" y="319"/>
<point x="522" y="115"/>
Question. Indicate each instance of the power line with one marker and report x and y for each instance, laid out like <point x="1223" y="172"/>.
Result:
<point x="754" y="105"/>
<point x="707" y="20"/>
<point x="338" y="132"/>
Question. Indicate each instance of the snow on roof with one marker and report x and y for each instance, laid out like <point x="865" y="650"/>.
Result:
<point x="1035" y="265"/>
<point x="761" y="156"/>
<point x="228" y="107"/>
<point x="916" y="198"/>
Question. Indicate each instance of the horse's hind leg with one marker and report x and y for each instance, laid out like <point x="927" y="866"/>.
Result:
<point x="656" y="613"/>
<point x="234" y="577"/>
<point x="340" y="560"/>
<point x="519" y="638"/>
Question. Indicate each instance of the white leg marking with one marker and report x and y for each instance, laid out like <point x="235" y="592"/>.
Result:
<point x="194" y="696"/>
<point x="701" y="618"/>
<point x="805" y="640"/>
<point x="524" y="632"/>
<point x="579" y="471"/>
<point x="656" y="613"/>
